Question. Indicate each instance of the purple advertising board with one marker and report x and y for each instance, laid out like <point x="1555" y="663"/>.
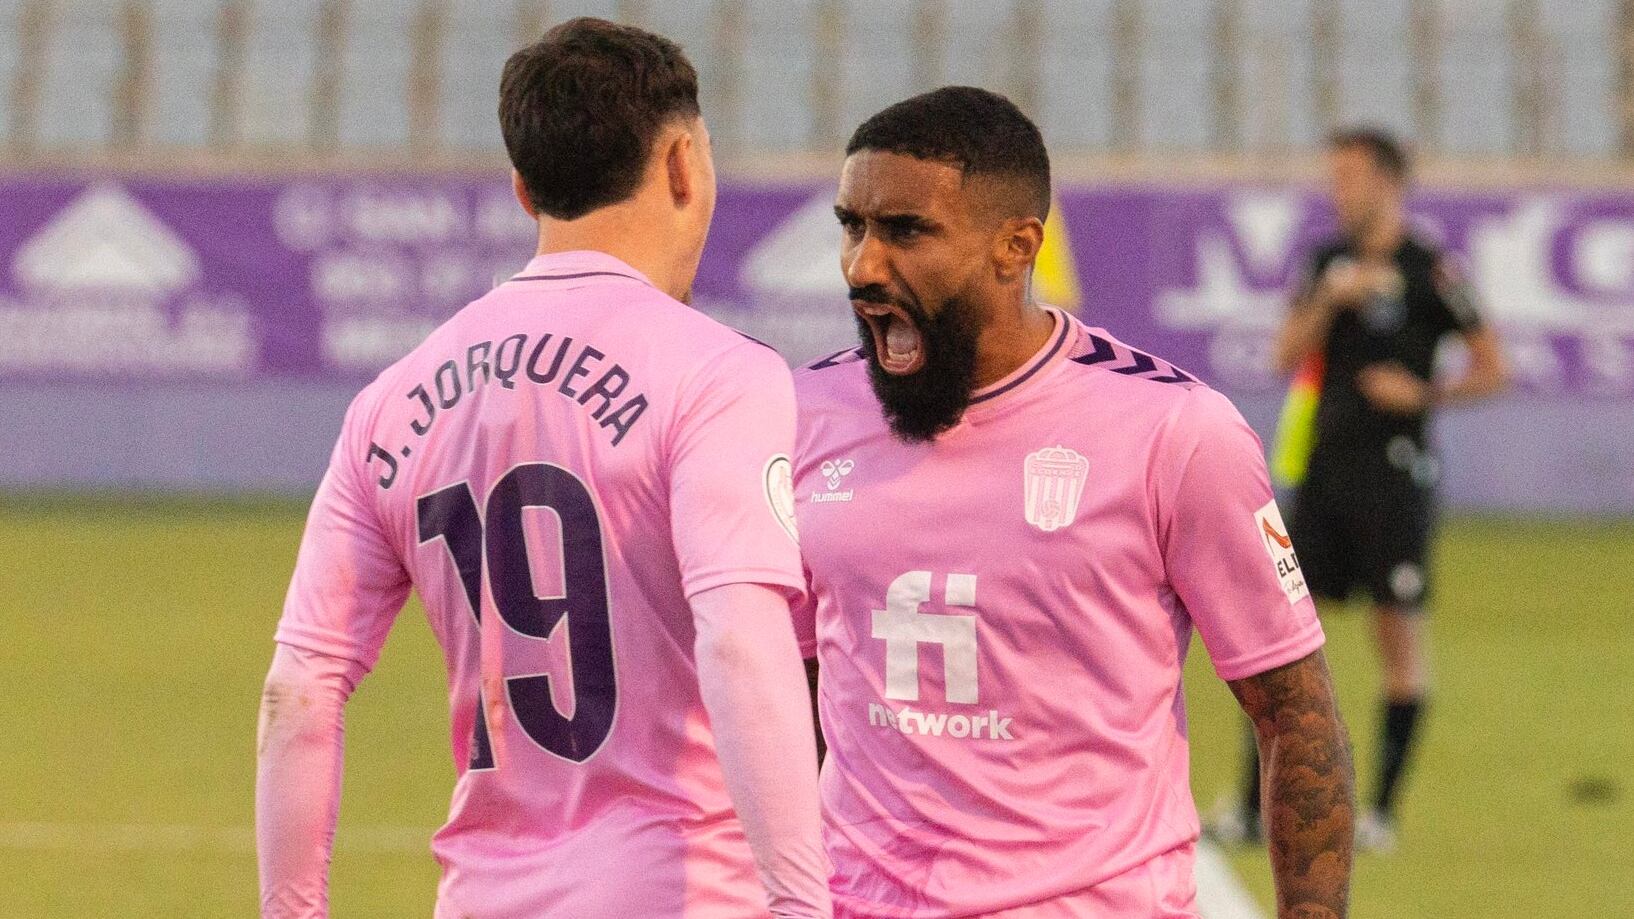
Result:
<point x="116" y="282"/>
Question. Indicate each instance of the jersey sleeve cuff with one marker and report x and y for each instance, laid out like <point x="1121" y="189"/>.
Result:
<point x="1291" y="649"/>
<point x="792" y="581"/>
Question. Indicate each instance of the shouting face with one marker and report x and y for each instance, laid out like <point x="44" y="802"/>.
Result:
<point x="917" y="256"/>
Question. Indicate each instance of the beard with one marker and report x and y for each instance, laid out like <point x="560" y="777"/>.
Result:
<point x="923" y="404"/>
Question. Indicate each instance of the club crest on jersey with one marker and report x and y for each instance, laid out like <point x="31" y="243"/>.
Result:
<point x="834" y="472"/>
<point x="1055" y="479"/>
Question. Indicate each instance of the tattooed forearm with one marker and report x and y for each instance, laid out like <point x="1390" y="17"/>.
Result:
<point x="1307" y="784"/>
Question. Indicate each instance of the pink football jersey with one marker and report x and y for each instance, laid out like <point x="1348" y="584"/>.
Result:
<point x="1001" y="618"/>
<point x="556" y="470"/>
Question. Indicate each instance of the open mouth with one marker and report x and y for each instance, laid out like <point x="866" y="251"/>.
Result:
<point x="899" y="345"/>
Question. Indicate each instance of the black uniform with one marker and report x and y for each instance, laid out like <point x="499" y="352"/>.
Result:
<point x="1366" y="509"/>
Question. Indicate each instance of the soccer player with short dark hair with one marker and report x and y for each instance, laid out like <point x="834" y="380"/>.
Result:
<point x="587" y="482"/>
<point x="1011" y="523"/>
<point x="1378" y="303"/>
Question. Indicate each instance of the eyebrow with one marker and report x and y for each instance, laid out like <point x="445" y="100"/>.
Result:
<point x="906" y="221"/>
<point x="893" y="221"/>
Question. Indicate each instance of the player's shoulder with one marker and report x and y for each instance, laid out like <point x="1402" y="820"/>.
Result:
<point x="695" y="337"/>
<point x="705" y="359"/>
<point x="434" y="349"/>
<point x="852" y="358"/>
<point x="1116" y="377"/>
<point x="1098" y="358"/>
<point x="680" y="341"/>
<point x="724" y="352"/>
<point x="834" y="379"/>
<point x="448" y="342"/>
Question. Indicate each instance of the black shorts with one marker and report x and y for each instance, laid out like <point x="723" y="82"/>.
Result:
<point x="1365" y="527"/>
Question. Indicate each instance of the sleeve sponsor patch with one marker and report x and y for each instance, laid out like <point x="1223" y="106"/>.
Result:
<point x="1274" y="536"/>
<point x="780" y="493"/>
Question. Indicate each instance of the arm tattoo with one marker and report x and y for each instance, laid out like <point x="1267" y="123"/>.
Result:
<point x="1307" y="784"/>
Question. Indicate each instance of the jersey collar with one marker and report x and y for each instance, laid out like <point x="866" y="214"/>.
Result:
<point x="579" y="263"/>
<point x="1054" y="351"/>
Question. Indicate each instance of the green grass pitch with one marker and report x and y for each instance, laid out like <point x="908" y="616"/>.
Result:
<point x="136" y="633"/>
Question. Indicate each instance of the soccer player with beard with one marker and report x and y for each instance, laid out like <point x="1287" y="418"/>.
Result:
<point x="1011" y="522"/>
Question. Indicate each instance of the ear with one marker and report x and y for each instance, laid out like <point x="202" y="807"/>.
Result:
<point x="521" y="191"/>
<point x="1016" y="246"/>
<point x="678" y="153"/>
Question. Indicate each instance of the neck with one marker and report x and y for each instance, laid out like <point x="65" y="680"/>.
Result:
<point x="1004" y="346"/>
<point x="1384" y="233"/>
<point x="622" y="233"/>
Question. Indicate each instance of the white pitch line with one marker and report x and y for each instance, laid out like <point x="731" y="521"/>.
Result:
<point x="163" y="837"/>
<point x="1220" y="894"/>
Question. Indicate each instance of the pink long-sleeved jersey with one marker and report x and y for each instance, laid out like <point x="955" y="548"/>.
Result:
<point x="1001" y="619"/>
<point x="557" y="470"/>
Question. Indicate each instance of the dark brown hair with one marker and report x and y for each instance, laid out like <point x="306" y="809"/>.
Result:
<point x="581" y="108"/>
<point x="1387" y="152"/>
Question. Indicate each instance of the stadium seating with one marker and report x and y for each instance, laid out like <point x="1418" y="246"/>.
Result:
<point x="186" y="56"/>
<point x="780" y="75"/>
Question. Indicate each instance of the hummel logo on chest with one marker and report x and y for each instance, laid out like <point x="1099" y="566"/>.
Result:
<point x="834" y="472"/>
